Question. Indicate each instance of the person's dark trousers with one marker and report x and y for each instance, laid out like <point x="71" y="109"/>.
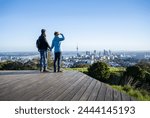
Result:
<point x="57" y="59"/>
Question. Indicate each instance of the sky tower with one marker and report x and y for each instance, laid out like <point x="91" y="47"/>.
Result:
<point x="77" y="51"/>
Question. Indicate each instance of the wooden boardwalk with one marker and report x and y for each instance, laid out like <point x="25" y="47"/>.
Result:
<point x="66" y="86"/>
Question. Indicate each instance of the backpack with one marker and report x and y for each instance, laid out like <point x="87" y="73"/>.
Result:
<point x="38" y="44"/>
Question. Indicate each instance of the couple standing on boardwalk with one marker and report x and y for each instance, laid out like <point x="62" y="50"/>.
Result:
<point x="43" y="47"/>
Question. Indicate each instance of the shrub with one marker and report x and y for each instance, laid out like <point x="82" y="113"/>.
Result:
<point x="139" y="94"/>
<point x="115" y="77"/>
<point x="135" y="72"/>
<point x="134" y="76"/>
<point x="16" y="65"/>
<point x="144" y="65"/>
<point x="80" y="65"/>
<point x="100" y="71"/>
<point x="147" y="77"/>
<point x="9" y="65"/>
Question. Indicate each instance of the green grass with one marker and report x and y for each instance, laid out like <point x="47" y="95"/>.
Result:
<point x="141" y="95"/>
<point x="116" y="69"/>
<point x="84" y="70"/>
<point x="112" y="69"/>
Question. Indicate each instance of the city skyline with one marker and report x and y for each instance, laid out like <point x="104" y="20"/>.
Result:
<point x="90" y="25"/>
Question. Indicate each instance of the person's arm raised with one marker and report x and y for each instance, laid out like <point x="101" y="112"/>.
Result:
<point x="63" y="38"/>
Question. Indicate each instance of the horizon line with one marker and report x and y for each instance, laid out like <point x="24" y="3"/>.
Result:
<point x="83" y="51"/>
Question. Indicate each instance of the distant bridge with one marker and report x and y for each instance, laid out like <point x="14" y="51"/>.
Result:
<point x="66" y="86"/>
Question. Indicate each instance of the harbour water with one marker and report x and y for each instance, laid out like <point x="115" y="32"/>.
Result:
<point x="65" y="54"/>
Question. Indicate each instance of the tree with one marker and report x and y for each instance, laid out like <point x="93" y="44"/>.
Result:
<point x="10" y="65"/>
<point x="100" y="71"/>
<point x="136" y="72"/>
<point x="134" y="76"/>
<point x="17" y="65"/>
<point x="30" y="65"/>
<point x="145" y="65"/>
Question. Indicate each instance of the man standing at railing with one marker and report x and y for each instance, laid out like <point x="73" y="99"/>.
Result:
<point x="57" y="50"/>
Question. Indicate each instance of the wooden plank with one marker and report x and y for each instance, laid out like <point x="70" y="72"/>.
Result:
<point x="59" y="90"/>
<point x="87" y="93"/>
<point x="95" y="91"/>
<point x="13" y="79"/>
<point x="109" y="94"/>
<point x="70" y="88"/>
<point x="50" y="84"/>
<point x="74" y="90"/>
<point x="11" y="87"/>
<point x="52" y="93"/>
<point x="102" y="92"/>
<point x="36" y="88"/>
<point x="7" y="78"/>
<point x="18" y="72"/>
<point x="82" y="90"/>
<point x="116" y="95"/>
<point x="40" y="86"/>
<point x="45" y="94"/>
<point x="20" y="89"/>
<point x="4" y="80"/>
<point x="124" y="97"/>
<point x="47" y="83"/>
<point x="69" y="85"/>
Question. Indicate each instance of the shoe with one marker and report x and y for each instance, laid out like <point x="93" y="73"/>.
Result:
<point x="60" y="71"/>
<point x="46" y="70"/>
<point x="41" y="70"/>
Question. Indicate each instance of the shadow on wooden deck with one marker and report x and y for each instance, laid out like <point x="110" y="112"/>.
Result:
<point x="66" y="86"/>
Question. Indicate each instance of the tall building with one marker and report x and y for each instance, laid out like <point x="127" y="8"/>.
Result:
<point x="110" y="53"/>
<point x="105" y="53"/>
<point x="99" y="54"/>
<point x="77" y="51"/>
<point x="88" y="53"/>
<point x="95" y="52"/>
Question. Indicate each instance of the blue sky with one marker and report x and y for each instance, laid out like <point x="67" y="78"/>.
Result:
<point x="90" y="24"/>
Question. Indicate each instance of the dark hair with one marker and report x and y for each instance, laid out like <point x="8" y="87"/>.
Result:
<point x="55" y="33"/>
<point x="43" y="31"/>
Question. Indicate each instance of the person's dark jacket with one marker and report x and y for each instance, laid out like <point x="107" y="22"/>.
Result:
<point x="43" y="43"/>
